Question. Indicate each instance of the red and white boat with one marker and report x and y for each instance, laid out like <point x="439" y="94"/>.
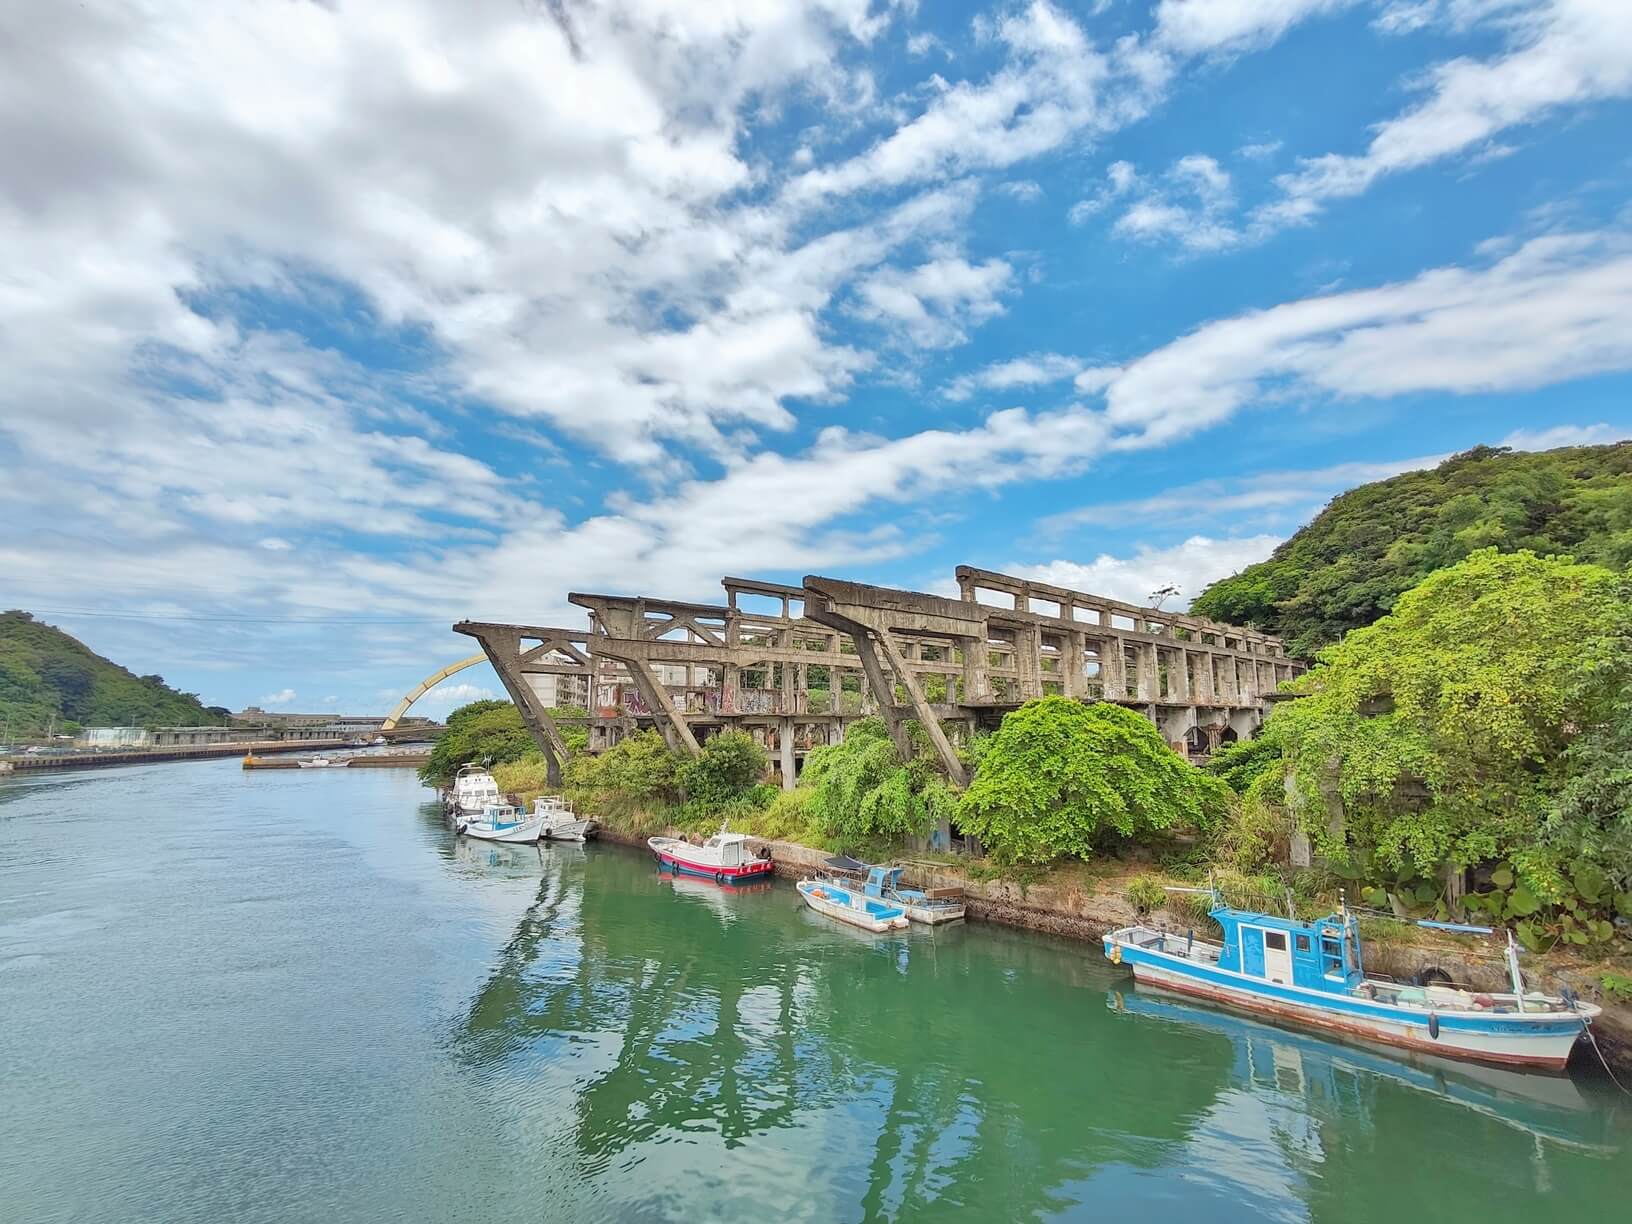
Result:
<point x="724" y="858"/>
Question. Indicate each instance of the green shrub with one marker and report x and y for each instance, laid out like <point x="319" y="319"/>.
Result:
<point x="731" y="765"/>
<point x="861" y="792"/>
<point x="487" y="732"/>
<point x="1061" y="778"/>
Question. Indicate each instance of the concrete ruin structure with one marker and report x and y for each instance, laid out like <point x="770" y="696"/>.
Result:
<point x="794" y="665"/>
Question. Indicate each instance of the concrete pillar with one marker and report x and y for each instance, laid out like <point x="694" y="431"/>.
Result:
<point x="1178" y="676"/>
<point x="788" y="774"/>
<point x="1076" y="683"/>
<point x="1145" y="661"/>
<point x="974" y="668"/>
<point x="1203" y="693"/>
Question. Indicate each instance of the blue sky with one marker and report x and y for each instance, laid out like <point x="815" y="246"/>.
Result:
<point x="326" y="325"/>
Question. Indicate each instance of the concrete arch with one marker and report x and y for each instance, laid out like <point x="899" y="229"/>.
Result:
<point x="426" y="685"/>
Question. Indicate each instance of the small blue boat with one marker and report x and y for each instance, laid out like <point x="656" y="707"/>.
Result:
<point x="849" y="905"/>
<point x="1312" y="972"/>
<point x="929" y="906"/>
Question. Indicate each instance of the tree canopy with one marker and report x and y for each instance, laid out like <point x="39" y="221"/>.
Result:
<point x="1349" y="565"/>
<point x="487" y="732"/>
<point x="1485" y="719"/>
<point x="863" y="793"/>
<point x="1060" y="778"/>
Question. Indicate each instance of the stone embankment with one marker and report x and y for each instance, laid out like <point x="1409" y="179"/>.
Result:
<point x="1077" y="912"/>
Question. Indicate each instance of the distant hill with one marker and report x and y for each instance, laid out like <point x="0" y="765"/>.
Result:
<point x="1371" y="544"/>
<point x="45" y="672"/>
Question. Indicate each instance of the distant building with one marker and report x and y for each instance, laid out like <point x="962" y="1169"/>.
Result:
<point x="113" y="737"/>
<point x="556" y="691"/>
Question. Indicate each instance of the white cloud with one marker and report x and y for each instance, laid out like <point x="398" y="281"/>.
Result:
<point x="935" y="303"/>
<point x="1190" y="566"/>
<point x="1198" y="27"/>
<point x="1212" y="501"/>
<point x="1024" y="190"/>
<point x="1034" y="370"/>
<point x="280" y="698"/>
<point x="1554" y="309"/>
<point x="1559" y="53"/>
<point x="1262" y="151"/>
<point x="1565" y="435"/>
<point x="1120" y="179"/>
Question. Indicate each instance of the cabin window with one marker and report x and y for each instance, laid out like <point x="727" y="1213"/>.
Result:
<point x="1275" y="941"/>
<point x="1331" y="956"/>
<point x="1302" y="942"/>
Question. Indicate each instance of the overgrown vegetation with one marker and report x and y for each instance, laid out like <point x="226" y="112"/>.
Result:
<point x="1368" y="547"/>
<point x="1064" y="779"/>
<point x="861" y="794"/>
<point x="51" y="680"/>
<point x="1482" y="725"/>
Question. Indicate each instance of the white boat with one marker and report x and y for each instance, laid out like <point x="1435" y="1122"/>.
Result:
<point x="474" y="790"/>
<point x="561" y="823"/>
<point x="501" y="822"/>
<point x="849" y="905"/>
<point x="723" y="857"/>
<point x="323" y="762"/>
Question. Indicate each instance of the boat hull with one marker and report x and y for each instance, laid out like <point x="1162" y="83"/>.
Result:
<point x="760" y="869"/>
<point x="1541" y="1044"/>
<point x="931" y="915"/>
<point x="569" y="830"/>
<point x="524" y="833"/>
<point x="852" y="916"/>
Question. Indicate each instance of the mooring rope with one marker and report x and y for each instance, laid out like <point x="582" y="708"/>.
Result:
<point x="1587" y="1028"/>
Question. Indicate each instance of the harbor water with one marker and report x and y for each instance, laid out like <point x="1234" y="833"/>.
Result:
<point x="296" y="996"/>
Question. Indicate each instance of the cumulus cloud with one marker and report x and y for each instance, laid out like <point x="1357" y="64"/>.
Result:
<point x="280" y="698"/>
<point x="1190" y="566"/>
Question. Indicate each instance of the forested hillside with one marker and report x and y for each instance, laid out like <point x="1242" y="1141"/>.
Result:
<point x="49" y="677"/>
<point x="1347" y="567"/>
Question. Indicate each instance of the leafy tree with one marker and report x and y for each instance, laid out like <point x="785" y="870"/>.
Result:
<point x="861" y="792"/>
<point x="1483" y="719"/>
<point x="1059" y="778"/>
<point x="730" y="769"/>
<point x="488" y="732"/>
<point x="1240" y="763"/>
<point x="1369" y="546"/>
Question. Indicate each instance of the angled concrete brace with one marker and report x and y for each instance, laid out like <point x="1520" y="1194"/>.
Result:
<point x="502" y="645"/>
<point x="926" y="716"/>
<point x="675" y="729"/>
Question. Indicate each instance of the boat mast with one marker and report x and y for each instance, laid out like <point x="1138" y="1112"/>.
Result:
<point x="1513" y="971"/>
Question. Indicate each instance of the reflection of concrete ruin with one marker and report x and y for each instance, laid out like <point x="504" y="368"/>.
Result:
<point x="793" y="665"/>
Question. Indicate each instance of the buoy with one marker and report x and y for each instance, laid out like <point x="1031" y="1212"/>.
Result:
<point x="1116" y="954"/>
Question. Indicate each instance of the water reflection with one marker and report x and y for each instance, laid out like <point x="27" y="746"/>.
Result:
<point x="680" y="1027"/>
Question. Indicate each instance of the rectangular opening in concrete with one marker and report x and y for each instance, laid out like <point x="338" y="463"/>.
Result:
<point x="759" y="605"/>
<point x="1044" y="607"/>
<point x="995" y="599"/>
<point x="1088" y="616"/>
<point x="1122" y="622"/>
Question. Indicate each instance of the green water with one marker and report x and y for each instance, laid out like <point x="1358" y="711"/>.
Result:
<point x="292" y="995"/>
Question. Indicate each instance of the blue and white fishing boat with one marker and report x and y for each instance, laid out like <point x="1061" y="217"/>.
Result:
<point x="849" y="905"/>
<point x="929" y="906"/>
<point x="1312" y="973"/>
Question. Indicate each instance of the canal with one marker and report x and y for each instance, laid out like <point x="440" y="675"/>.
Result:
<point x="293" y="996"/>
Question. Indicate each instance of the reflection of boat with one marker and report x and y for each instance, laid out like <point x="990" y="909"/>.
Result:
<point x="324" y="762"/>
<point x="721" y="898"/>
<point x="1542" y="1106"/>
<point x="722" y="857"/>
<point x="473" y="790"/>
<point x="1312" y="972"/>
<point x="848" y="904"/>
<point x="929" y="906"/>
<point x="560" y="822"/>
<point x="501" y="822"/>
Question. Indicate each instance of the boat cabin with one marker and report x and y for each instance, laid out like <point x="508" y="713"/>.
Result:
<point x="882" y="880"/>
<point x="1319" y="955"/>
<point x="732" y="848"/>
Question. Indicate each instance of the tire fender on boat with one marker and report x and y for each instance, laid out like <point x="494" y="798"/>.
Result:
<point x="719" y="877"/>
<point x="1433" y="1025"/>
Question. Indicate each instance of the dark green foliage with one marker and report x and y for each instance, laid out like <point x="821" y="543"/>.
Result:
<point x="730" y="769"/>
<point x="1240" y="763"/>
<point x="1060" y="778"/>
<point x="1370" y="545"/>
<point x="488" y="732"/>
<point x="46" y="675"/>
